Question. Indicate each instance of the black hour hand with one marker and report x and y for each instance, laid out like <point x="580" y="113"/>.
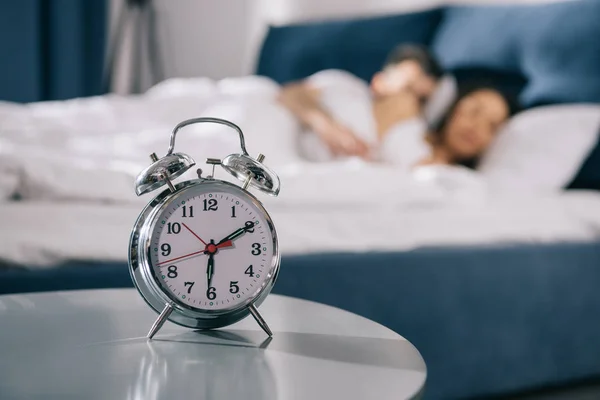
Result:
<point x="248" y="227"/>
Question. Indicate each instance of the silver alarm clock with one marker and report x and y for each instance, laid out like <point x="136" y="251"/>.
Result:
<point x="204" y="252"/>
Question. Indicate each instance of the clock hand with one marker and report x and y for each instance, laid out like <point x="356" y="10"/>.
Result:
<point x="210" y="269"/>
<point x="237" y="233"/>
<point x="198" y="237"/>
<point x="179" y="258"/>
<point x="219" y="246"/>
<point x="228" y="243"/>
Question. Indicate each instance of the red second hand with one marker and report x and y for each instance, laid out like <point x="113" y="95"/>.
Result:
<point x="179" y="258"/>
<point x="228" y="243"/>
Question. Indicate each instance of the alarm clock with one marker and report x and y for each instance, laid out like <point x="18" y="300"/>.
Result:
<point x="204" y="252"/>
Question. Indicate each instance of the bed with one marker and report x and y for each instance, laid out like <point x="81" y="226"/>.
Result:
<point x="511" y="305"/>
<point x="496" y="289"/>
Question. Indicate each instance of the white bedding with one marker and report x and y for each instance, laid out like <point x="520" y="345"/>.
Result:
<point x="39" y="234"/>
<point x="74" y="163"/>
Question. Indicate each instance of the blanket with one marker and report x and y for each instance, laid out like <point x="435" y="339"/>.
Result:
<point x="91" y="149"/>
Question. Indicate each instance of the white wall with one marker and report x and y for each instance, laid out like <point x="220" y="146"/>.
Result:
<point x="198" y="38"/>
<point x="219" y="38"/>
<point x="205" y="37"/>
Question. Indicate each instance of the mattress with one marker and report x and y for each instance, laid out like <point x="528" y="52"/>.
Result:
<point x="39" y="235"/>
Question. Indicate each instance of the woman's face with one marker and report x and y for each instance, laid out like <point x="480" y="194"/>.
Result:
<point x="474" y="123"/>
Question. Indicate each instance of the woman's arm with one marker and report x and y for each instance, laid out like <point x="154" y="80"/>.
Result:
<point x="303" y="101"/>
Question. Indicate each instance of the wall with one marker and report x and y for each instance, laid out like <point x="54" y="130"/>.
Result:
<point x="219" y="38"/>
<point x="198" y="38"/>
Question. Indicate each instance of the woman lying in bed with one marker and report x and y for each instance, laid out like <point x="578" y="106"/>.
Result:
<point x="343" y="116"/>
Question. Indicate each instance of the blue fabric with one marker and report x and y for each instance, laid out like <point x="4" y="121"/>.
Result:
<point x="486" y="320"/>
<point x="20" y="77"/>
<point x="359" y="46"/>
<point x="70" y="276"/>
<point x="556" y="46"/>
<point x="52" y="50"/>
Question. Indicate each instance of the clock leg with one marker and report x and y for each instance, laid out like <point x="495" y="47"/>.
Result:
<point x="162" y="318"/>
<point x="259" y="320"/>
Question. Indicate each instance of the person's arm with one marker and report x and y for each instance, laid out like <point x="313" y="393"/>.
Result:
<point x="394" y="109"/>
<point x="304" y="102"/>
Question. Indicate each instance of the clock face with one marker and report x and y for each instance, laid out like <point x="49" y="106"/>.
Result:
<point x="213" y="249"/>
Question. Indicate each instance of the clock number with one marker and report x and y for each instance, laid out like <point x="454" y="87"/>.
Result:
<point x="190" y="284"/>
<point x="210" y="205"/>
<point x="233" y="287"/>
<point x="249" y="227"/>
<point x="173" y="272"/>
<point x="233" y="212"/>
<point x="174" y="227"/>
<point x="186" y="213"/>
<point x="166" y="249"/>
<point x="211" y="294"/>
<point x="249" y="271"/>
<point x="256" y="249"/>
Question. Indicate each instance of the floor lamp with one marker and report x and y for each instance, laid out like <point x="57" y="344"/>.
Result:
<point x="140" y="17"/>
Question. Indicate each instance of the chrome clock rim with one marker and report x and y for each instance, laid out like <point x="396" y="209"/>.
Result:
<point x="147" y="284"/>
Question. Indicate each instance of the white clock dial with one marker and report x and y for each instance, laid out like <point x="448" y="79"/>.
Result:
<point x="212" y="250"/>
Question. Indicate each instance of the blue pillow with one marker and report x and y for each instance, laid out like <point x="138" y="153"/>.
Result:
<point x="359" y="46"/>
<point x="555" y="46"/>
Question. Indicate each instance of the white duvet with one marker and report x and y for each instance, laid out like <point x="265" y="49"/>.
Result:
<point x="73" y="164"/>
<point x="92" y="149"/>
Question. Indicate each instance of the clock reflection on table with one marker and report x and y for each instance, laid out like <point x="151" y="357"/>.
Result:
<point x="207" y="365"/>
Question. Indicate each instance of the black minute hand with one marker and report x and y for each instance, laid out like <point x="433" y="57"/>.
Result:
<point x="237" y="233"/>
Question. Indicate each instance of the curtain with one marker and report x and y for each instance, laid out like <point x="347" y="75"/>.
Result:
<point x="51" y="49"/>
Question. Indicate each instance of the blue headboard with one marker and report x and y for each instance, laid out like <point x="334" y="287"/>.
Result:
<point x="359" y="46"/>
<point x="554" y="47"/>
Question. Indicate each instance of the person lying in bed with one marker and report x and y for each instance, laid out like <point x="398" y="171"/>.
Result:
<point x="466" y="130"/>
<point x="344" y="117"/>
<point x="349" y="117"/>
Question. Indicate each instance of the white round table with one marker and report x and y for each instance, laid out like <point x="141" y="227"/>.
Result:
<point x="92" y="345"/>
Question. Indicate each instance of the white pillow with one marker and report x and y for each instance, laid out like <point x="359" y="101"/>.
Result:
<point x="543" y="148"/>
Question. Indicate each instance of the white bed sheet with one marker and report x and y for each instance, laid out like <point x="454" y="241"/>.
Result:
<point x="39" y="234"/>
